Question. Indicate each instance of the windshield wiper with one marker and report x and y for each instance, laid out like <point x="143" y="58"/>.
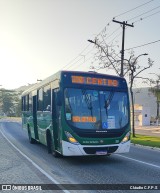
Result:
<point x="108" y="101"/>
<point x="69" y="104"/>
<point x="88" y="101"/>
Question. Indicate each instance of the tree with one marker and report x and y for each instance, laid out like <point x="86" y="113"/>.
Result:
<point x="134" y="71"/>
<point x="6" y="102"/>
<point x="10" y="102"/>
<point x="155" y="89"/>
<point x="17" y="105"/>
<point x="109" y="58"/>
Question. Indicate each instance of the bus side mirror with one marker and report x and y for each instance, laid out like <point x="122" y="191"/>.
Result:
<point x="59" y="98"/>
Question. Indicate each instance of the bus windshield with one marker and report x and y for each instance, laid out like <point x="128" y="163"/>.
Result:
<point x="94" y="109"/>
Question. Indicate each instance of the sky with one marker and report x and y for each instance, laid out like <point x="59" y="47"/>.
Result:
<point x="40" y="37"/>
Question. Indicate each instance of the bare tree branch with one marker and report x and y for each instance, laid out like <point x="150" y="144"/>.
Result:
<point x="108" y="56"/>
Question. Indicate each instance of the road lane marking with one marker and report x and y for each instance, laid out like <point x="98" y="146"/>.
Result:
<point x="142" y="162"/>
<point x="34" y="164"/>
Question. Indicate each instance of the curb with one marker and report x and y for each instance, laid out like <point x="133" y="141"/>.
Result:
<point x="146" y="147"/>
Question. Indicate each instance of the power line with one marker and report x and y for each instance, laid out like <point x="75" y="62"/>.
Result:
<point x="115" y="37"/>
<point x="80" y="54"/>
<point x="112" y="33"/>
<point x="133" y="9"/>
<point x="73" y="61"/>
<point x="143" y="45"/>
<point x="84" y="59"/>
<point x="144" y="13"/>
<point x="137" y="20"/>
<point x="104" y="37"/>
<point x="146" y="17"/>
<point x="105" y="28"/>
<point x="108" y="24"/>
<point x="81" y="63"/>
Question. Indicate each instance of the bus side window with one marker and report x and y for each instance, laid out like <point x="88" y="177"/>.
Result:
<point x="54" y="101"/>
<point x="27" y="103"/>
<point x="47" y="98"/>
<point x="40" y="100"/>
<point x="23" y="103"/>
<point x="30" y="102"/>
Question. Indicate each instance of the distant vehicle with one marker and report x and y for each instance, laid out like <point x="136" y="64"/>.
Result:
<point x="78" y="113"/>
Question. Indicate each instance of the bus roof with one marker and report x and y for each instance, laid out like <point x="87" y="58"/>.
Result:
<point x="46" y="81"/>
<point x="56" y="77"/>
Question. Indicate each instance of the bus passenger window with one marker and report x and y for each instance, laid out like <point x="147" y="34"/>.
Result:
<point x="27" y="103"/>
<point x="30" y="102"/>
<point x="23" y="103"/>
<point x="40" y="100"/>
<point x="47" y="98"/>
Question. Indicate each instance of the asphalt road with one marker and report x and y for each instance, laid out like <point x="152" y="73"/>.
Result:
<point x="140" y="166"/>
<point x="148" y="130"/>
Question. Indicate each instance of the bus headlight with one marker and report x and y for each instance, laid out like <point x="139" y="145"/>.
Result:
<point x="71" y="139"/>
<point x="126" y="138"/>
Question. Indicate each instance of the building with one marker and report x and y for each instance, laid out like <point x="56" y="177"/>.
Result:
<point x="145" y="106"/>
<point x="142" y="116"/>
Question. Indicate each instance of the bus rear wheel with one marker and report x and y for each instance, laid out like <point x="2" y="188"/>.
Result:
<point x="49" y="142"/>
<point x="49" y="146"/>
<point x="56" y="154"/>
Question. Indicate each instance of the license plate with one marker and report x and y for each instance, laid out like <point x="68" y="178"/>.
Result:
<point x="101" y="152"/>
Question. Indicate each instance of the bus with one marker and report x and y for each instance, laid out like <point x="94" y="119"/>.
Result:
<point x="77" y="113"/>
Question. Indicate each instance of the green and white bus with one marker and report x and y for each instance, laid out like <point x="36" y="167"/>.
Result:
<point x="78" y="113"/>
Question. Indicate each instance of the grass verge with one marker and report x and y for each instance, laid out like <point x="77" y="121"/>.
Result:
<point x="146" y="140"/>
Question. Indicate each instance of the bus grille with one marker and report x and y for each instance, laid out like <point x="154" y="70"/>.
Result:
<point x="100" y="135"/>
<point x="93" y="150"/>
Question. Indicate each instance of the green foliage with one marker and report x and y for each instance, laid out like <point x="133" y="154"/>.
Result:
<point x="156" y="92"/>
<point x="146" y="140"/>
<point x="155" y="89"/>
<point x="7" y="103"/>
<point x="10" y="103"/>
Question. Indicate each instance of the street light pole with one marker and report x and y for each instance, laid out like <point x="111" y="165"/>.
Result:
<point x="132" y="77"/>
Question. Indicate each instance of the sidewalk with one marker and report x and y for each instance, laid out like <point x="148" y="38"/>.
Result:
<point x="16" y="169"/>
<point x="152" y="130"/>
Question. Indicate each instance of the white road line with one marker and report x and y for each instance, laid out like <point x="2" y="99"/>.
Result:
<point x="33" y="163"/>
<point x="142" y="162"/>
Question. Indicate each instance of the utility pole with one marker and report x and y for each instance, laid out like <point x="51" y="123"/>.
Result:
<point x="124" y="24"/>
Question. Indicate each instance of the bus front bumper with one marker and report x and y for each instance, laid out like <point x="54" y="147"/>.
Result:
<point x="70" y="149"/>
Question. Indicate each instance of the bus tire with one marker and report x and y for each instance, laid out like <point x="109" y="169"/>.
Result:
<point x="49" y="142"/>
<point x="31" y="140"/>
<point x="56" y="154"/>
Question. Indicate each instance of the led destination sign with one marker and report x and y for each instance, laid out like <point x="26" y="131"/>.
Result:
<point x="84" y="119"/>
<point x="94" y="81"/>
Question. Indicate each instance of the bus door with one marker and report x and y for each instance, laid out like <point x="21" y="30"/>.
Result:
<point x="35" y="116"/>
<point x="56" y="112"/>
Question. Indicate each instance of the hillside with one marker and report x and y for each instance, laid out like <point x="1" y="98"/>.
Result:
<point x="23" y="88"/>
